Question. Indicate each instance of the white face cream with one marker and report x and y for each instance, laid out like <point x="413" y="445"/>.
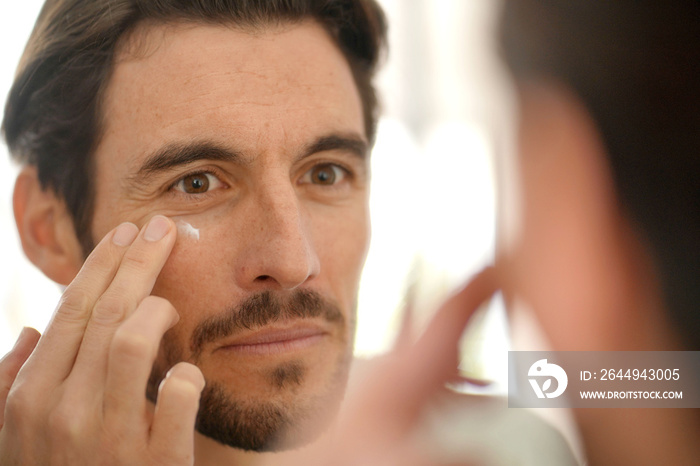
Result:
<point x="186" y="230"/>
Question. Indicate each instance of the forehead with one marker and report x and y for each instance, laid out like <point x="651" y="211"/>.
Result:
<point x="258" y="90"/>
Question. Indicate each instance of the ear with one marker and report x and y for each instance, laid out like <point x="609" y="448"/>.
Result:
<point x="45" y="229"/>
<point x="577" y="262"/>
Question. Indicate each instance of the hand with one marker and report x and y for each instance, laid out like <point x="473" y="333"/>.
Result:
<point x="382" y="416"/>
<point x="11" y="363"/>
<point x="80" y="396"/>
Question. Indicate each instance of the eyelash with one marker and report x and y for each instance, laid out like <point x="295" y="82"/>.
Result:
<point x="348" y="175"/>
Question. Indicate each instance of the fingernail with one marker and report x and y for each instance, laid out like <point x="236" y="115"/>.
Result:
<point x="157" y="228"/>
<point x="175" y="319"/>
<point x="187" y="373"/>
<point x="125" y="234"/>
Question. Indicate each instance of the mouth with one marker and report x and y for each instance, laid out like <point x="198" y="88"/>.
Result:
<point x="276" y="339"/>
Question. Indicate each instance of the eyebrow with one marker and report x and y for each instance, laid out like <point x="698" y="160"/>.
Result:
<point x="352" y="143"/>
<point x="177" y="155"/>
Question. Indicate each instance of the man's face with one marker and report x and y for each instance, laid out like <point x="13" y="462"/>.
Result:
<point x="254" y="144"/>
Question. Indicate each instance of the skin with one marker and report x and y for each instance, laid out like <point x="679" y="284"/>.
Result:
<point x="573" y="258"/>
<point x="78" y="397"/>
<point x="293" y="243"/>
<point x="265" y="223"/>
<point x="288" y="185"/>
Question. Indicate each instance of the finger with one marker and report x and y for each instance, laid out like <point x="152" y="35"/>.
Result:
<point x="172" y="433"/>
<point x="133" y="281"/>
<point x="11" y="363"/>
<point x="436" y="352"/>
<point x="404" y="337"/>
<point x="403" y="383"/>
<point x="133" y="350"/>
<point x="55" y="353"/>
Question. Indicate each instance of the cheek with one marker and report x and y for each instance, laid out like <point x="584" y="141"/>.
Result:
<point x="342" y="247"/>
<point x="195" y="270"/>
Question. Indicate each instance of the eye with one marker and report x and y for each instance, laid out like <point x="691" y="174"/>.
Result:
<point x="197" y="183"/>
<point x="326" y="174"/>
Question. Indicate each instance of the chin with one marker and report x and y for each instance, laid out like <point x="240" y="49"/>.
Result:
<point x="268" y="426"/>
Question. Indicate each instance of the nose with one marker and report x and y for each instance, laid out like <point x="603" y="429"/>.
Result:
<point x="278" y="251"/>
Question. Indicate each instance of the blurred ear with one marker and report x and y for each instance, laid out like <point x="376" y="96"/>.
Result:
<point x="577" y="262"/>
<point x="45" y="229"/>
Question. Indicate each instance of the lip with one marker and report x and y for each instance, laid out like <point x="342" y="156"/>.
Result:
<point x="276" y="339"/>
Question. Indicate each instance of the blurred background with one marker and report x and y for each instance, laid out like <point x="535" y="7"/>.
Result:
<point x="433" y="197"/>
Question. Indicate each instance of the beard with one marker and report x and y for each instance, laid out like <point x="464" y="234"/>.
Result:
<point x="262" y="425"/>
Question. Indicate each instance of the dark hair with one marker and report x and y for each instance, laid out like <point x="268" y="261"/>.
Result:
<point x="636" y="66"/>
<point x="52" y="116"/>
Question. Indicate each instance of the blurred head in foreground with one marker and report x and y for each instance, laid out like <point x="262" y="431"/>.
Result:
<point x="603" y="245"/>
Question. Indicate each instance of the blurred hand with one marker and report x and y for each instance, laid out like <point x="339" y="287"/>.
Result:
<point x="380" y="419"/>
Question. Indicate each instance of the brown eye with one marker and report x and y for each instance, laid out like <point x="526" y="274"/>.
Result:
<point x="324" y="174"/>
<point x="198" y="183"/>
<point x="195" y="184"/>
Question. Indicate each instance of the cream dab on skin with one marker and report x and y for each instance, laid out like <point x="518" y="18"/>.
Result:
<point x="187" y="230"/>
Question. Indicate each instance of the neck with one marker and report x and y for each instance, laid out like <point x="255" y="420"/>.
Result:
<point x="208" y="452"/>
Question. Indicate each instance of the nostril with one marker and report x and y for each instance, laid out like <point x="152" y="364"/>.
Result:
<point x="263" y="278"/>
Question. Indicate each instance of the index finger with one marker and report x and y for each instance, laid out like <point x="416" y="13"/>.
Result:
<point x="56" y="351"/>
<point x="403" y="383"/>
<point x="425" y="366"/>
<point x="436" y="350"/>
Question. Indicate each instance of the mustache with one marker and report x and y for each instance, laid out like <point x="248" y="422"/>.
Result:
<point x="262" y="309"/>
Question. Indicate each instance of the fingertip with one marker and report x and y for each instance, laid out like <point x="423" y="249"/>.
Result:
<point x="125" y="234"/>
<point x="20" y="352"/>
<point x="31" y="332"/>
<point x="152" y="304"/>
<point x="437" y="349"/>
<point x="472" y="295"/>
<point x="158" y="228"/>
<point x="174" y="318"/>
<point x="28" y="337"/>
<point x="176" y="412"/>
<point x="186" y="372"/>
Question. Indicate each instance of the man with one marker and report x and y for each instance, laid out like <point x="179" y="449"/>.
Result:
<point x="207" y="158"/>
<point x="600" y="221"/>
<point x="603" y="247"/>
